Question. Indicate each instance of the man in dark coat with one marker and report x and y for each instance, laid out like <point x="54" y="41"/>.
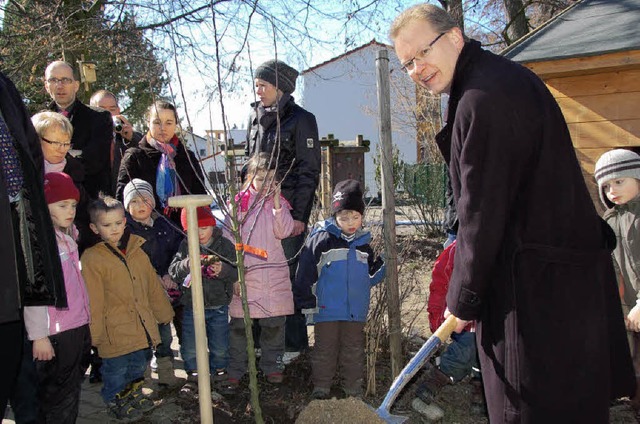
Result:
<point x="92" y="127"/>
<point x="533" y="263"/>
<point x="281" y="128"/>
<point x="124" y="135"/>
<point x="31" y="271"/>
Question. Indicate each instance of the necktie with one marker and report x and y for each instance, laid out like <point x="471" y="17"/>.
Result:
<point x="65" y="113"/>
<point x="10" y="163"/>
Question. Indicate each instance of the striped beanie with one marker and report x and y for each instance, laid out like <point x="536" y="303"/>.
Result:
<point x="138" y="187"/>
<point x="618" y="163"/>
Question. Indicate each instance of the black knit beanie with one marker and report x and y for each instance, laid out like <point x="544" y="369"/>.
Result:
<point x="286" y="78"/>
<point x="347" y="195"/>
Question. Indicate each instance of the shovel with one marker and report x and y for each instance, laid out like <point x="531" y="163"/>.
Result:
<point x="431" y="345"/>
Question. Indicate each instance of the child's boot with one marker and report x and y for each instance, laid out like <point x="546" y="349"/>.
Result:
<point x="138" y="399"/>
<point x="427" y="392"/>
<point x="219" y="375"/>
<point x="190" y="388"/>
<point x="166" y="376"/>
<point x="320" y="393"/>
<point x="432" y="383"/>
<point x="121" y="409"/>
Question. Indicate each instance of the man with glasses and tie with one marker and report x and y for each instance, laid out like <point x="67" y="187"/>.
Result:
<point x="92" y="127"/>
<point x="532" y="264"/>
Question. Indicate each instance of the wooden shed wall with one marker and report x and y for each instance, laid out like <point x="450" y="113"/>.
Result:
<point x="602" y="111"/>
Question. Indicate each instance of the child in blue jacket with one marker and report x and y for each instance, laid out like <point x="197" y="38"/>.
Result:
<point x="336" y="271"/>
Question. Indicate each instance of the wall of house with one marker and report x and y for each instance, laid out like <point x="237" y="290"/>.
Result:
<point x="602" y="111"/>
<point x="343" y="96"/>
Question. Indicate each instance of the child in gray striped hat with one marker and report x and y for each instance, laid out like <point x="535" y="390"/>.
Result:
<point x="162" y="242"/>
<point x="618" y="175"/>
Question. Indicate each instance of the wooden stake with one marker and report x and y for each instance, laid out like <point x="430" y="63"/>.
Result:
<point x="191" y="203"/>
<point x="388" y="211"/>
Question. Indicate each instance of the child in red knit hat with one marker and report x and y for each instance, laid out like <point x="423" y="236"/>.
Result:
<point x="61" y="339"/>
<point x="218" y="276"/>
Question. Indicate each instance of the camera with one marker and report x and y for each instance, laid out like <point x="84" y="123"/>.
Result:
<point x="117" y="124"/>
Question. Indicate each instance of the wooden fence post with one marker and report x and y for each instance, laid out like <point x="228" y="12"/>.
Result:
<point x="388" y="211"/>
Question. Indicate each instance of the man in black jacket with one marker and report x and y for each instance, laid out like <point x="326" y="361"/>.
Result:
<point x="124" y="134"/>
<point x="289" y="133"/>
<point x="533" y="259"/>
<point x="31" y="271"/>
<point x="92" y="127"/>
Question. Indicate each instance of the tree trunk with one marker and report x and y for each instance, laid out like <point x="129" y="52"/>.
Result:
<point x="517" y="25"/>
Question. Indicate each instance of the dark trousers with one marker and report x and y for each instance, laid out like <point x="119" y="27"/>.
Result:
<point x="295" y="330"/>
<point x="60" y="378"/>
<point x="49" y="391"/>
<point x="338" y="343"/>
<point x="271" y="342"/>
<point x="11" y="334"/>
<point x="177" y="321"/>
<point x="24" y="399"/>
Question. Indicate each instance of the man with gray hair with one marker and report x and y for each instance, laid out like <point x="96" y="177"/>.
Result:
<point x="533" y="270"/>
<point x="92" y="127"/>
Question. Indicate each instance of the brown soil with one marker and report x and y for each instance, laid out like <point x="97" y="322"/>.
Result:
<point x="333" y="411"/>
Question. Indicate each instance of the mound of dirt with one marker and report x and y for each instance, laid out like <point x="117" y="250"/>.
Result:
<point x="338" y="411"/>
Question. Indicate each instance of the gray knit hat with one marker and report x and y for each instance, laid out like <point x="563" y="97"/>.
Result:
<point x="138" y="187"/>
<point x="286" y="75"/>
<point x="618" y="163"/>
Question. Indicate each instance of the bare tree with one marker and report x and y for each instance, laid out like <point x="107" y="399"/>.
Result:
<point x="517" y="21"/>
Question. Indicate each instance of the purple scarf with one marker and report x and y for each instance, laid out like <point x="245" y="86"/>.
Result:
<point x="166" y="175"/>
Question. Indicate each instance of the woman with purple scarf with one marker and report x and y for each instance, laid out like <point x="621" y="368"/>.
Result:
<point x="163" y="161"/>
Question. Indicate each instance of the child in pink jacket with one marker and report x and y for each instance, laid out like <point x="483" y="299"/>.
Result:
<point x="265" y="220"/>
<point x="61" y="339"/>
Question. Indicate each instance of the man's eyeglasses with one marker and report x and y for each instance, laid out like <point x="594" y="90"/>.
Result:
<point x="410" y="65"/>
<point x="56" y="144"/>
<point x="63" y="81"/>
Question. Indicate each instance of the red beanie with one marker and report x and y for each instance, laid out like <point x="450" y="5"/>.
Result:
<point x="59" y="186"/>
<point x="205" y="217"/>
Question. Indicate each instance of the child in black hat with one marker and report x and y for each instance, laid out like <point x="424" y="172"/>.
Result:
<point x="336" y="271"/>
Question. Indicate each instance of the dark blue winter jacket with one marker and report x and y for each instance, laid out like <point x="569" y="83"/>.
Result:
<point x="336" y="275"/>
<point x="162" y="241"/>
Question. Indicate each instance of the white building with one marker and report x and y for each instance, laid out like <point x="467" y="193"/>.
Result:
<point x="342" y="94"/>
<point x="210" y="152"/>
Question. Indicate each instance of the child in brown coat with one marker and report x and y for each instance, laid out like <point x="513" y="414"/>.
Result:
<point x="127" y="302"/>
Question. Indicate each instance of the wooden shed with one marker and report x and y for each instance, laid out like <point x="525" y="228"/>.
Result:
<point x="589" y="57"/>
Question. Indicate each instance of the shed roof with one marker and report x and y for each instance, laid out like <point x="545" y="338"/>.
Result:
<point x="345" y="54"/>
<point x="588" y="28"/>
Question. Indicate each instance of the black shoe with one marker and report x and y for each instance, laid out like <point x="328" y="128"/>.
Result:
<point x="320" y="393"/>
<point x="229" y="387"/>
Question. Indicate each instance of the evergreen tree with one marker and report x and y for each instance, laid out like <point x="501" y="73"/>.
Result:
<point x="37" y="32"/>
